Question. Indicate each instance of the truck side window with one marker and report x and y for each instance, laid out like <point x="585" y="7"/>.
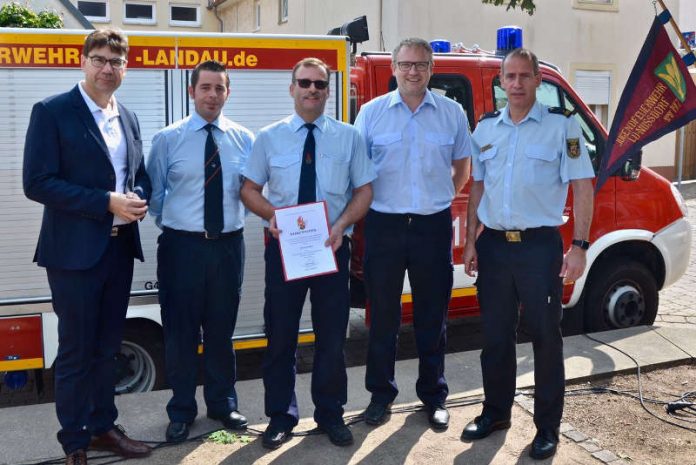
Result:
<point x="554" y="96"/>
<point x="454" y="86"/>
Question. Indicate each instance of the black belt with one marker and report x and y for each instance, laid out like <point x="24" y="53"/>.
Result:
<point x="121" y="230"/>
<point x="204" y="235"/>
<point x="521" y="235"/>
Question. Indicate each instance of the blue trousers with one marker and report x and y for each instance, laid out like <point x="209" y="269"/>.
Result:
<point x="512" y="274"/>
<point x="199" y="287"/>
<point x="421" y="245"/>
<point x="91" y="307"/>
<point x="330" y="299"/>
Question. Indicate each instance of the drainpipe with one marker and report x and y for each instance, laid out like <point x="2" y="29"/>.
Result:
<point x="213" y="5"/>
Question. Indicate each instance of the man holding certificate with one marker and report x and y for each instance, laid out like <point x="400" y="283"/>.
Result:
<point x="307" y="158"/>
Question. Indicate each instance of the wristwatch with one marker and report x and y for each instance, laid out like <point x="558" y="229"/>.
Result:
<point x="584" y="245"/>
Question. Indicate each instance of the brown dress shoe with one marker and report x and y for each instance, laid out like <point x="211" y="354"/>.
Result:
<point x="76" y="458"/>
<point x="115" y="440"/>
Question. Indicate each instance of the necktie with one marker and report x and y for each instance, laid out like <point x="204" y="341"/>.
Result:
<point x="213" y="216"/>
<point x="308" y="178"/>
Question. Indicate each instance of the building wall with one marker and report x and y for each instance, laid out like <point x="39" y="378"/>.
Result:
<point x="572" y="34"/>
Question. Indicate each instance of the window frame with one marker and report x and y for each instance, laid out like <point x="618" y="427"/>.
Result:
<point x="97" y="19"/>
<point x="257" y="15"/>
<point x="283" y="11"/>
<point x="181" y="23"/>
<point x="599" y="5"/>
<point x="147" y="22"/>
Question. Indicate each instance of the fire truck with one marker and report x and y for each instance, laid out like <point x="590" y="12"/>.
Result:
<point x="640" y="238"/>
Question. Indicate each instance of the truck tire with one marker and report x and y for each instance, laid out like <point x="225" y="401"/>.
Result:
<point x="140" y="363"/>
<point x="621" y="294"/>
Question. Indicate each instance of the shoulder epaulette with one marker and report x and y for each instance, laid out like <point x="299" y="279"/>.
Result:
<point x="562" y="111"/>
<point x="491" y="114"/>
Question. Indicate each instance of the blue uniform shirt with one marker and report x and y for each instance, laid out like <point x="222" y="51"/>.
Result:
<point x="413" y="151"/>
<point x="526" y="167"/>
<point x="341" y="162"/>
<point x="177" y="172"/>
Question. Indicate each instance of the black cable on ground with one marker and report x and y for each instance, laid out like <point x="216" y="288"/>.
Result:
<point x="640" y="389"/>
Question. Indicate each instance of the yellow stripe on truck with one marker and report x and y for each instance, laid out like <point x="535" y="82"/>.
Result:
<point x="461" y="292"/>
<point x="21" y="364"/>
<point x="261" y="342"/>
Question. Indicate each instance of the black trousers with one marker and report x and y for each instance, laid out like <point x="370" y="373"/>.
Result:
<point x="199" y="287"/>
<point x="421" y="245"/>
<point x="512" y="274"/>
<point x="330" y="301"/>
<point x="91" y="307"/>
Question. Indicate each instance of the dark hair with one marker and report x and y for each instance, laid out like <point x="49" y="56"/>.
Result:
<point x="113" y="38"/>
<point x="311" y="62"/>
<point x="525" y="54"/>
<point x="413" y="42"/>
<point x="210" y="65"/>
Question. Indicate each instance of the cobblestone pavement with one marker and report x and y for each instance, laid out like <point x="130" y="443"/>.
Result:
<point x="678" y="302"/>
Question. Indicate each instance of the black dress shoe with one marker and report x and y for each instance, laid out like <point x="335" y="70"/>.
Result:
<point x="481" y="427"/>
<point x="376" y="413"/>
<point x="338" y="433"/>
<point x="544" y="444"/>
<point x="274" y="437"/>
<point x="233" y="420"/>
<point x="438" y="417"/>
<point x="177" y="431"/>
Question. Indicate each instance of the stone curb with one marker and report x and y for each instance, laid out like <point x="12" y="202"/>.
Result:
<point x="591" y="445"/>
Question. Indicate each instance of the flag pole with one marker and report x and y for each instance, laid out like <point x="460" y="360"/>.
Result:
<point x="684" y="43"/>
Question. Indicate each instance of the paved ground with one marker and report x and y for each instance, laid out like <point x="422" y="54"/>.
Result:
<point x="678" y="302"/>
<point x="29" y="431"/>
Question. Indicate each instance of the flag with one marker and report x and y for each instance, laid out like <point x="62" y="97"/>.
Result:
<point x="660" y="97"/>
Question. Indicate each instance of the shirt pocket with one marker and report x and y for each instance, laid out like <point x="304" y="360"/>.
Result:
<point x="385" y="147"/>
<point x="543" y="162"/>
<point x="281" y="163"/>
<point x="231" y="169"/>
<point x="437" y="156"/>
<point x="334" y="172"/>
<point x="284" y="173"/>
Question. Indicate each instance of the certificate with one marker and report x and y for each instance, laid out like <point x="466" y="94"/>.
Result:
<point x="304" y="230"/>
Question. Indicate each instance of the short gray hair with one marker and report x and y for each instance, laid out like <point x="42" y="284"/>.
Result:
<point x="413" y="42"/>
<point x="525" y="54"/>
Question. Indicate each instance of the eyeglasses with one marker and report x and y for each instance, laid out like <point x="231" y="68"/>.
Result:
<point x="407" y="65"/>
<point x="99" y="62"/>
<point x="306" y="83"/>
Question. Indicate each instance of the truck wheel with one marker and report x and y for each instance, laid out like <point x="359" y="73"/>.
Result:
<point x="140" y="364"/>
<point x="621" y="295"/>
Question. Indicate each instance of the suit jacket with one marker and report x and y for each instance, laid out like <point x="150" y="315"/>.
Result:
<point x="67" y="168"/>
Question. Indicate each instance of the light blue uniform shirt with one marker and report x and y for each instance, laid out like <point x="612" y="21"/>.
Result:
<point x="413" y="151"/>
<point x="526" y="167"/>
<point x="341" y="162"/>
<point x="176" y="167"/>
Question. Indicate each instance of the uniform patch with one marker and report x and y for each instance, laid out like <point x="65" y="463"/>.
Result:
<point x="486" y="147"/>
<point x="573" y="146"/>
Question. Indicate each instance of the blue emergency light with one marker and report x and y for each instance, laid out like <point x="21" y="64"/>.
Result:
<point x="509" y="38"/>
<point x="441" y="46"/>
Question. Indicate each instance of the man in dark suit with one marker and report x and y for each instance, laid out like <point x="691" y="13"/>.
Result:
<point x="83" y="161"/>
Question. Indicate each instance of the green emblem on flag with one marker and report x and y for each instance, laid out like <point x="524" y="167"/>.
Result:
<point x="669" y="73"/>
